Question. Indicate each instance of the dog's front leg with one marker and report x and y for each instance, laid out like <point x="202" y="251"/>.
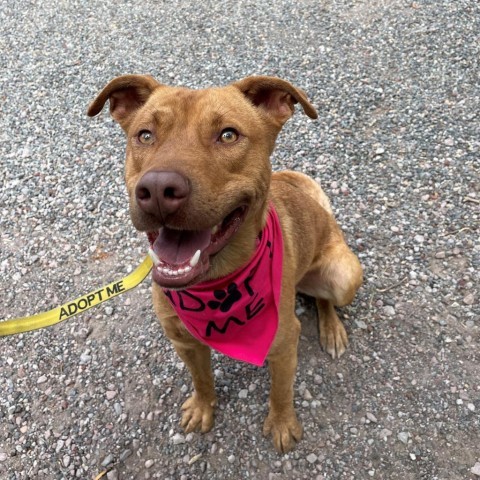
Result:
<point x="198" y="410"/>
<point x="282" y="421"/>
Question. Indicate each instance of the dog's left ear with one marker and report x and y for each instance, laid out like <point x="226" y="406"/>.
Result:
<point x="276" y="96"/>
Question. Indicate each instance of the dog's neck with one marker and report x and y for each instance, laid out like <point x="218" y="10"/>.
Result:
<point x="241" y="247"/>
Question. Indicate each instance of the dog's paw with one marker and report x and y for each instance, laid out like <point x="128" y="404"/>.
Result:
<point x="333" y="337"/>
<point x="286" y="431"/>
<point x="197" y="415"/>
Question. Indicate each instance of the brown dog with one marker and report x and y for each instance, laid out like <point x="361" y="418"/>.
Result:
<point x="200" y="184"/>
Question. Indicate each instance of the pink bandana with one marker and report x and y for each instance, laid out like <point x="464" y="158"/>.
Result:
<point x="237" y="315"/>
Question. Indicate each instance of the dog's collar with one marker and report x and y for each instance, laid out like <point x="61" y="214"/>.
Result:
<point x="238" y="314"/>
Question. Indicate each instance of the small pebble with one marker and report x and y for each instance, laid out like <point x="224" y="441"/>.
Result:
<point x="299" y="311"/>
<point x="178" y="439"/>
<point x="112" y="475"/>
<point x="194" y="459"/>
<point x="107" y="460"/>
<point x="85" y="358"/>
<point x="125" y="454"/>
<point x="476" y="469"/>
<point x="59" y="445"/>
<point x="243" y="393"/>
<point x="307" y="395"/>
<point x="361" y="324"/>
<point x="469" y="299"/>
<point x="110" y="394"/>
<point x="312" y="458"/>
<point x="389" y="310"/>
<point x="118" y="408"/>
<point x="372" y="417"/>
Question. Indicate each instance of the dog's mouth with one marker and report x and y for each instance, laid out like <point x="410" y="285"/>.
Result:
<point x="182" y="257"/>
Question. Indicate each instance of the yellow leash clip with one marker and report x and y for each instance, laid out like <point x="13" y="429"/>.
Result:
<point x="70" y="309"/>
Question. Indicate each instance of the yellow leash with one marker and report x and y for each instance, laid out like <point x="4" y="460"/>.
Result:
<point x="70" y="309"/>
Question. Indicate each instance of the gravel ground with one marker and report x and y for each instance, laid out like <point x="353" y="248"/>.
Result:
<point x="396" y="147"/>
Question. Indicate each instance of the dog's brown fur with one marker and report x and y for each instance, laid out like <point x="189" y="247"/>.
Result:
<point x="186" y="125"/>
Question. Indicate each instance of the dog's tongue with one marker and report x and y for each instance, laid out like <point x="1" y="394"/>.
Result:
<point x="176" y="247"/>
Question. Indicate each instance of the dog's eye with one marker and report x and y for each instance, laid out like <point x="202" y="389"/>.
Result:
<point x="229" y="135"/>
<point x="145" y="137"/>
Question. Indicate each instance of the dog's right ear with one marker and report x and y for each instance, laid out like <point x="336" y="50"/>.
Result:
<point x="126" y="95"/>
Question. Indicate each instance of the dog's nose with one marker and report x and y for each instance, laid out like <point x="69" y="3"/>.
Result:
<point x="161" y="193"/>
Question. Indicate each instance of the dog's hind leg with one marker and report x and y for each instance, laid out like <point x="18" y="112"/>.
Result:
<point x="333" y="280"/>
<point x="333" y="336"/>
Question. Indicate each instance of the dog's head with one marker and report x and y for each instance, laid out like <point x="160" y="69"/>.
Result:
<point x="198" y="169"/>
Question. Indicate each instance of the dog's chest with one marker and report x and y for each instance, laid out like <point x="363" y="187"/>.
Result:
<point x="237" y="315"/>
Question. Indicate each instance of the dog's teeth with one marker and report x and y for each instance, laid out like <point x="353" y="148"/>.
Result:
<point x="196" y="257"/>
<point x="214" y="229"/>
<point x="174" y="273"/>
<point x="153" y="256"/>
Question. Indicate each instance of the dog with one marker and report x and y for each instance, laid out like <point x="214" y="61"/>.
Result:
<point x="226" y="232"/>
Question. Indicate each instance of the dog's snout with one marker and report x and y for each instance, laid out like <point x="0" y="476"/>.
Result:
<point x="161" y="193"/>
